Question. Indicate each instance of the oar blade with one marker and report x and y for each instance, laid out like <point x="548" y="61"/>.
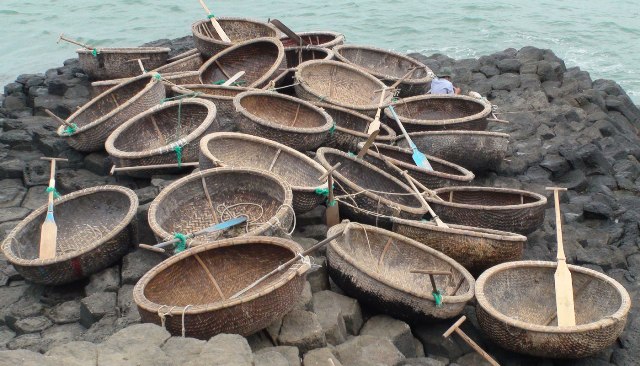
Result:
<point x="48" y="238"/>
<point x="227" y="224"/>
<point x="564" y="296"/>
<point x="332" y="214"/>
<point x="421" y="160"/>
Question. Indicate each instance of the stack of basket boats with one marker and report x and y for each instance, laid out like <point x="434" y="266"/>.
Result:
<point x="252" y="149"/>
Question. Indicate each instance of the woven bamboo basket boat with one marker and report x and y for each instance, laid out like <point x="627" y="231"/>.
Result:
<point x="207" y="197"/>
<point x="517" y="310"/>
<point x="116" y="63"/>
<point x="192" y="290"/>
<point x="190" y="63"/>
<point x="165" y="134"/>
<point x="504" y="209"/>
<point x="441" y="112"/>
<point x="340" y="84"/>
<point x="237" y="29"/>
<point x="101" y="115"/>
<point x="297" y="55"/>
<point x="261" y="59"/>
<point x="351" y="128"/>
<point x="375" y="266"/>
<point x="387" y="66"/>
<point x="177" y="78"/>
<point x="366" y="193"/>
<point x="475" y="150"/>
<point x="240" y="150"/>
<point x="96" y="227"/>
<point x="326" y="39"/>
<point x="444" y="173"/>
<point x="222" y="96"/>
<point x="282" y="118"/>
<point x="476" y="249"/>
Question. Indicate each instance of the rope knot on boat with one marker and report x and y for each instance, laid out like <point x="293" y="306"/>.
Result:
<point x="182" y="244"/>
<point x="437" y="297"/>
<point x="69" y="130"/>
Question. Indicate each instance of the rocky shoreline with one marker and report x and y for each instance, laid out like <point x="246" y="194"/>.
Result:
<point x="566" y="130"/>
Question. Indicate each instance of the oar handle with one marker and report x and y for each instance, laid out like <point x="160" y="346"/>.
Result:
<point x="235" y="77"/>
<point x="152" y="248"/>
<point x="66" y="39"/>
<point x="291" y="34"/>
<point x="58" y="119"/>
<point x="411" y="70"/>
<point x="114" y="169"/>
<point x="216" y="25"/>
<point x="556" y="198"/>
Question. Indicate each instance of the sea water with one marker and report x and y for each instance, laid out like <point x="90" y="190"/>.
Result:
<point x="602" y="37"/>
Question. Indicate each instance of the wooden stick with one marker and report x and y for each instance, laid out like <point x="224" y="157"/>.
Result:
<point x="232" y="79"/>
<point x="191" y="52"/>
<point x="469" y="341"/>
<point x="432" y="272"/>
<point x="295" y="118"/>
<point x="332" y="214"/>
<point x="210" y="275"/>
<point x="147" y="167"/>
<point x="222" y="69"/>
<point x="384" y="251"/>
<point x="58" y="119"/>
<point x="424" y="202"/>
<point x="291" y="34"/>
<point x="498" y="120"/>
<point x="49" y="230"/>
<point x="273" y="162"/>
<point x="216" y="26"/>
<point x="63" y="38"/>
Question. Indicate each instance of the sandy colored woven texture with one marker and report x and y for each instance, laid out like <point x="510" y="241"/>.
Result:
<point x="281" y="118"/>
<point x="359" y="264"/>
<point x="475" y="248"/>
<point x="234" y="264"/>
<point x="351" y="129"/>
<point x="178" y="78"/>
<point x="297" y="55"/>
<point x="477" y="151"/>
<point x="388" y="66"/>
<point x="440" y="112"/>
<point x="189" y="63"/>
<point x="444" y="173"/>
<point x="222" y="96"/>
<point x="151" y="137"/>
<point x="104" y="113"/>
<point x="246" y="151"/>
<point x="259" y="195"/>
<point x="322" y="39"/>
<point x="515" y="301"/>
<point x="261" y="59"/>
<point x="359" y="179"/>
<point x="237" y="29"/>
<point x="116" y="63"/>
<point x="96" y="227"/>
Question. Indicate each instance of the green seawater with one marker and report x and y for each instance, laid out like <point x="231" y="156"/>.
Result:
<point x="602" y="37"/>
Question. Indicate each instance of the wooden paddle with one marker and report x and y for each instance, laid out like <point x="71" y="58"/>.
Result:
<point x="291" y="34"/>
<point x="456" y="328"/>
<point x="66" y="39"/>
<point x="49" y="229"/>
<point x="563" y="282"/>
<point x="418" y="157"/>
<point x="424" y="202"/>
<point x="223" y="36"/>
<point x="147" y="167"/>
<point x="57" y="119"/>
<point x="232" y="79"/>
<point x="332" y="215"/>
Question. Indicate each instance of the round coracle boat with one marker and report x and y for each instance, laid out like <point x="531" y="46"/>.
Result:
<point x="209" y="43"/>
<point x="297" y="55"/>
<point x="325" y="39"/>
<point x="222" y="96"/>
<point x="116" y="63"/>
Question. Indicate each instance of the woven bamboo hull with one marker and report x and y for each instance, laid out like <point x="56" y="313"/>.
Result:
<point x="97" y="119"/>
<point x="222" y="96"/>
<point x="476" y="249"/>
<point x="440" y="112"/>
<point x="234" y="264"/>
<point x="246" y="151"/>
<point x="151" y="137"/>
<point x="116" y="63"/>
<point x="178" y="78"/>
<point x="475" y="150"/>
<point x="326" y="39"/>
<point x="381" y="279"/>
<point x="237" y="29"/>
<point x="87" y="242"/>
<point x="601" y="305"/>
<point x="284" y="119"/>
<point x="297" y="55"/>
<point x="501" y="209"/>
<point x="189" y="63"/>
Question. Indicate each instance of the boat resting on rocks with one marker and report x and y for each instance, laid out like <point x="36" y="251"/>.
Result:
<point x="209" y="43"/>
<point x="117" y="63"/>
<point x="190" y="294"/>
<point x="386" y="271"/>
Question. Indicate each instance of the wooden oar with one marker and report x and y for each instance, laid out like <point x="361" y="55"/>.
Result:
<point x="217" y="227"/>
<point x="49" y="229"/>
<point x="424" y="202"/>
<point x="563" y="283"/>
<point x="232" y="79"/>
<point x="147" y="167"/>
<point x="57" y="119"/>
<point x="456" y="328"/>
<point x="223" y="36"/>
<point x="418" y="157"/>
<point x="362" y="152"/>
<point x="285" y="265"/>
<point x="66" y="39"/>
<point x="332" y="214"/>
<point x="291" y="34"/>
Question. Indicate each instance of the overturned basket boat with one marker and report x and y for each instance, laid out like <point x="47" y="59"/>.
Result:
<point x="517" y="310"/>
<point x="189" y="63"/>
<point x="261" y="59"/>
<point x="282" y="118"/>
<point x="476" y="249"/>
<point x="238" y="30"/>
<point x="441" y="112"/>
<point x="475" y="150"/>
<point x="377" y="267"/>
<point x="368" y="194"/>
<point x="190" y="293"/>
<point x="340" y="84"/>
<point x="211" y="196"/>
<point x="96" y="227"/>
<point x="170" y="79"/>
<point x="101" y="115"/>
<point x="351" y="129"/>
<point x="504" y="209"/>
<point x="168" y="133"/>
<point x="326" y="39"/>
<point x="388" y="66"/>
<point x="444" y="173"/>
<point x="246" y="151"/>
<point x="116" y="63"/>
<point x="222" y="96"/>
